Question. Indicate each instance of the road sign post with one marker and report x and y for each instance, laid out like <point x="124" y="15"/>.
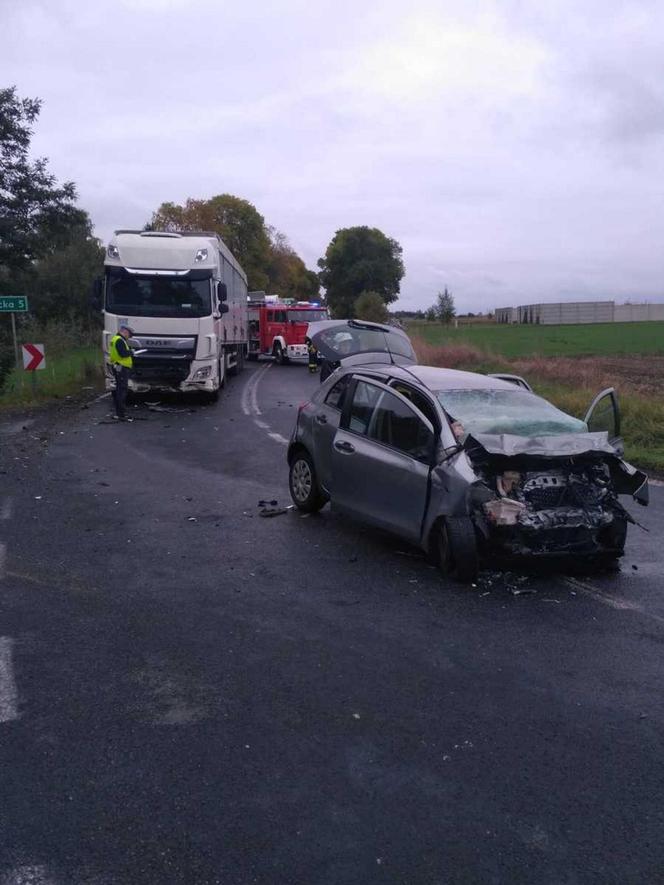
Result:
<point x="33" y="361"/>
<point x="14" y="304"/>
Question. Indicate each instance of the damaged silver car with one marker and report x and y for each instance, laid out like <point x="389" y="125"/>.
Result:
<point x="471" y="468"/>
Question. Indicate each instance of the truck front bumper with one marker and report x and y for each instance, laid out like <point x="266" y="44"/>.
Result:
<point x="297" y="352"/>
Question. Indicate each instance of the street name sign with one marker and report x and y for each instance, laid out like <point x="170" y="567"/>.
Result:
<point x="13" y="303"/>
<point x="33" y="357"/>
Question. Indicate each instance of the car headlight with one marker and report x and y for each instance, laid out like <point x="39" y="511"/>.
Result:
<point x="201" y="255"/>
<point x="199" y="374"/>
<point x="113" y="251"/>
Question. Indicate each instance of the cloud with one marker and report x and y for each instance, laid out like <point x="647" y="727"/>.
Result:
<point x="514" y="149"/>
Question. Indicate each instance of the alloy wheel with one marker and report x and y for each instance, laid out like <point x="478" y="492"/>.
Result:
<point x="302" y="480"/>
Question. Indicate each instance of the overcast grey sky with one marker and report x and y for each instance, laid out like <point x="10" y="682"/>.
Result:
<point x="514" y="148"/>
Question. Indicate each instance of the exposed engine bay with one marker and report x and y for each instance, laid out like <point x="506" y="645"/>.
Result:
<point x="533" y="506"/>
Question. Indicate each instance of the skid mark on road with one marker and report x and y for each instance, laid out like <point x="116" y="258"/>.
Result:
<point x="8" y="692"/>
<point x="615" y="602"/>
<point x="6" y="508"/>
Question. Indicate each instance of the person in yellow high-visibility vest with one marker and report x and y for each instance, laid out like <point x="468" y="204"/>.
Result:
<point x="122" y="362"/>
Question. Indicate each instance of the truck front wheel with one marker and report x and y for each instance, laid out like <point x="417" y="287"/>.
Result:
<point x="280" y="357"/>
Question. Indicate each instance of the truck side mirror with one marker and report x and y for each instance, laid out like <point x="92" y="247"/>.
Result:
<point x="222" y="291"/>
<point x="223" y="308"/>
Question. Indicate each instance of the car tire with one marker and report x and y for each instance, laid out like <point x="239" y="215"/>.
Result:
<point x="456" y="541"/>
<point x="303" y="484"/>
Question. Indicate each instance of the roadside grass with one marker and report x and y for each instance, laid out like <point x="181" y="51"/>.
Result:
<point x="571" y="384"/>
<point x="65" y="375"/>
<point x="525" y="340"/>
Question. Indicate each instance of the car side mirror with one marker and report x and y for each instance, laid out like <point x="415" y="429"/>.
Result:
<point x="222" y="292"/>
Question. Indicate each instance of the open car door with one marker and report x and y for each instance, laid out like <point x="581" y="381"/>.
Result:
<point x="604" y="415"/>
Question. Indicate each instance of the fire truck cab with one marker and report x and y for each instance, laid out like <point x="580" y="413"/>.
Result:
<point x="278" y="327"/>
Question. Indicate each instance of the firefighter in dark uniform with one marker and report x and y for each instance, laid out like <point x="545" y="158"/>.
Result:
<point x="122" y="362"/>
<point x="313" y="356"/>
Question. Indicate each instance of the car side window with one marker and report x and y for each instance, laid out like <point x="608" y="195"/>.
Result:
<point x="361" y="409"/>
<point x="396" y="425"/>
<point x="336" y="396"/>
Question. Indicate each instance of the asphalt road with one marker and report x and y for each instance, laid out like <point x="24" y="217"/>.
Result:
<point x="190" y="693"/>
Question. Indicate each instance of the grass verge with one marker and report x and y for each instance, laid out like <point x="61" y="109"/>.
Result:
<point x="65" y="375"/>
<point x="524" y="340"/>
<point x="571" y="384"/>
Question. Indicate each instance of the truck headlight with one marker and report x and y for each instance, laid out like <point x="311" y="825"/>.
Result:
<point x="201" y="255"/>
<point x="113" y="251"/>
<point x="199" y="374"/>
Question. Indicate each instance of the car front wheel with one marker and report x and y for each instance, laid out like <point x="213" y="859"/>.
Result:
<point x="458" y="556"/>
<point x="304" y="488"/>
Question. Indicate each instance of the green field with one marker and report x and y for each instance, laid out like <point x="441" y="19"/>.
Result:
<point x="64" y="375"/>
<point x="523" y="340"/>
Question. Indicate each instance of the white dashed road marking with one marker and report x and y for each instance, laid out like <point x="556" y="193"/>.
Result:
<point x="8" y="692"/>
<point x="615" y="602"/>
<point x="249" y="400"/>
<point x="6" y="508"/>
<point x="250" y="407"/>
<point x="277" y="437"/>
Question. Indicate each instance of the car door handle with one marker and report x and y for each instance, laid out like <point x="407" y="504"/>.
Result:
<point x="321" y="419"/>
<point x="344" y="447"/>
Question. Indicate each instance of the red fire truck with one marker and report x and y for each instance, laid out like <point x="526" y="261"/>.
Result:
<point x="278" y="328"/>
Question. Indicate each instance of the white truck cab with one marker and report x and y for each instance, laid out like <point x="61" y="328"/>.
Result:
<point x="185" y="297"/>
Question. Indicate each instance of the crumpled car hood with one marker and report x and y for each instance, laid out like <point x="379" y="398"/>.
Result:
<point x="627" y="480"/>
<point x="559" y="446"/>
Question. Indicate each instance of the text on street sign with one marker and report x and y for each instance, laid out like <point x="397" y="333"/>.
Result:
<point x="13" y="303"/>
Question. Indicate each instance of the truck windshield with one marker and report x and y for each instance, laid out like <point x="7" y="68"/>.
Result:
<point x="147" y="296"/>
<point x="306" y="316"/>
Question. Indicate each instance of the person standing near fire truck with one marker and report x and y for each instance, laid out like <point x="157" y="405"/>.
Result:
<point x="313" y="356"/>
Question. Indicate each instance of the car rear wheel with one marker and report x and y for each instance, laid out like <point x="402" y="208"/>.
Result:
<point x="456" y="541"/>
<point x="304" y="488"/>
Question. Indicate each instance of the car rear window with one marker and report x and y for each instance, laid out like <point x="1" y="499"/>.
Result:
<point x="516" y="411"/>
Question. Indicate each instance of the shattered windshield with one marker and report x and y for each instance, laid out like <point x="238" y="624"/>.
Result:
<point x="518" y="412"/>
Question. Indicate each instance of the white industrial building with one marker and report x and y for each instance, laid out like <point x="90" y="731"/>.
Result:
<point x="575" y="312"/>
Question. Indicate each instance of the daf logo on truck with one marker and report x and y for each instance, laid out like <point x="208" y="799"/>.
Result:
<point x="185" y="296"/>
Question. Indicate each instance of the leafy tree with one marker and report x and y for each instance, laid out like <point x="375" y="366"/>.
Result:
<point x="59" y="283"/>
<point x="287" y="273"/>
<point x="35" y="213"/>
<point x="431" y="314"/>
<point x="371" y="306"/>
<point x="360" y="259"/>
<point x="444" y="307"/>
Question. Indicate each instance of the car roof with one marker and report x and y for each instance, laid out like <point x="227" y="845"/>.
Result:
<point x="435" y="378"/>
